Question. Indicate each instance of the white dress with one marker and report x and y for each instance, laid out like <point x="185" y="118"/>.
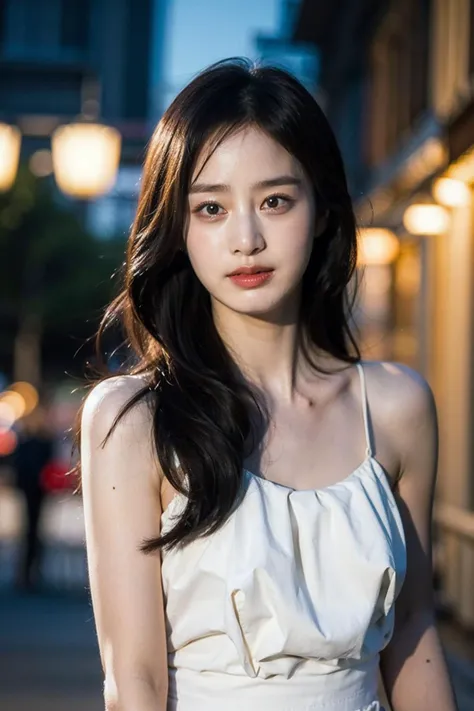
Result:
<point x="289" y="604"/>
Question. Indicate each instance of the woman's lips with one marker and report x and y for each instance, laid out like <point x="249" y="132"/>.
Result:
<point x="251" y="280"/>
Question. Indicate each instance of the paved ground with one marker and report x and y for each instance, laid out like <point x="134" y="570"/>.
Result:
<point x="48" y="654"/>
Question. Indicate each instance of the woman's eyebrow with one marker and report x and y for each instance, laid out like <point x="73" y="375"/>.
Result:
<point x="222" y="188"/>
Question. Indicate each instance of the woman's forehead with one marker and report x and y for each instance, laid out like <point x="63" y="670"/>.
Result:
<point x="248" y="152"/>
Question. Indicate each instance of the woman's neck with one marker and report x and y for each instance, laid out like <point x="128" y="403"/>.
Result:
<point x="268" y="351"/>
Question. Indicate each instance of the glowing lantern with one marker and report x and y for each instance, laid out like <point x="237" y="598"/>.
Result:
<point x="10" y="142"/>
<point x="85" y="158"/>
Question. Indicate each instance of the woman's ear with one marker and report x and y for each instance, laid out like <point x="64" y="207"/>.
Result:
<point x="321" y="224"/>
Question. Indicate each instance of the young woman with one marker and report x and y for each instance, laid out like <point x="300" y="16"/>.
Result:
<point x="257" y="500"/>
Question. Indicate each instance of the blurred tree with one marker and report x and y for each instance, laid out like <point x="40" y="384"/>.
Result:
<point x="55" y="279"/>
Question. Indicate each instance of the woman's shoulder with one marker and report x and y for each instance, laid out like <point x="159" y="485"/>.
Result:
<point x="399" y="396"/>
<point x="398" y="382"/>
<point x="107" y="399"/>
<point x="117" y="443"/>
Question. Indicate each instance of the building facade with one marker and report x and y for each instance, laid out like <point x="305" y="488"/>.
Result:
<point x="398" y="83"/>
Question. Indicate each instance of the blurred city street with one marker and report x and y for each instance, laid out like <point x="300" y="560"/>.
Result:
<point x="64" y="560"/>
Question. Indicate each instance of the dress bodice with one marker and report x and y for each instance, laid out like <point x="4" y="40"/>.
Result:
<point x="288" y="605"/>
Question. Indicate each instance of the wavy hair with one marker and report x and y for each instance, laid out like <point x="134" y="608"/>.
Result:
<point x="203" y="410"/>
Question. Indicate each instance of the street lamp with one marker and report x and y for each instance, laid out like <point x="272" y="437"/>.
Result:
<point x="85" y="158"/>
<point x="10" y="141"/>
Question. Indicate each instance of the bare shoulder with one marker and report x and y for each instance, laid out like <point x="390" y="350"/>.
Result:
<point x="112" y="442"/>
<point x="398" y="391"/>
<point x="403" y="410"/>
<point x="108" y="398"/>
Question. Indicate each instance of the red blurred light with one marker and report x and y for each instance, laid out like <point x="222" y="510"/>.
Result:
<point x="8" y="442"/>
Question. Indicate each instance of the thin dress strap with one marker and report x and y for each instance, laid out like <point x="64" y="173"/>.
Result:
<point x="365" y="409"/>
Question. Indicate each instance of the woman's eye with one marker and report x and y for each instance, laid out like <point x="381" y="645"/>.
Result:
<point x="274" y="202"/>
<point x="208" y="209"/>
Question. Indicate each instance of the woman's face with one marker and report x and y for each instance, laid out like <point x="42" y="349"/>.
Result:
<point x="251" y="208"/>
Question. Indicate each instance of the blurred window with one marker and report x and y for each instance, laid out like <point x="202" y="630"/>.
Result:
<point x="399" y="76"/>
<point x="75" y="16"/>
<point x="46" y="30"/>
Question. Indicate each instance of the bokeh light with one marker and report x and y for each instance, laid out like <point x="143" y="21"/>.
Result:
<point x="10" y="142"/>
<point x="421" y="219"/>
<point x="7" y="416"/>
<point x="29" y="394"/>
<point x="41" y="163"/>
<point x="13" y="402"/>
<point x="85" y="158"/>
<point x="451" y="193"/>
<point x="8" y="442"/>
<point x="377" y="246"/>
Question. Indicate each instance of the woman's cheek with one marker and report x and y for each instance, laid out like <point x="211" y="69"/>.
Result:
<point x="203" y="261"/>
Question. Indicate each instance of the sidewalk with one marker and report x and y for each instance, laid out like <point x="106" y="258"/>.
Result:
<point x="48" y="654"/>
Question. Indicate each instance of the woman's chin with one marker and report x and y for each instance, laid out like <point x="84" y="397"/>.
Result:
<point x="264" y="307"/>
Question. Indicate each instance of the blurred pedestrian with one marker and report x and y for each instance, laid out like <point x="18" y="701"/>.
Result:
<point x="33" y="453"/>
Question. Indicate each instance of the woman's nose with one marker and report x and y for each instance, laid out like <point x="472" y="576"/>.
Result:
<point x="247" y="236"/>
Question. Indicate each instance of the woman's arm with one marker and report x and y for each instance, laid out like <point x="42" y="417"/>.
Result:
<point x="413" y="665"/>
<point x="122" y="507"/>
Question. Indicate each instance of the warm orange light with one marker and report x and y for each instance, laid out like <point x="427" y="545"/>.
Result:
<point x="10" y="142"/>
<point x="377" y="246"/>
<point x="85" y="158"/>
<point x="7" y="416"/>
<point x="15" y="402"/>
<point x="451" y="193"/>
<point x="28" y="393"/>
<point x="425" y="219"/>
<point x="463" y="168"/>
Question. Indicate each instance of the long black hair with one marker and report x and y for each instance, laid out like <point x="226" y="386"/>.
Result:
<point x="203" y="410"/>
